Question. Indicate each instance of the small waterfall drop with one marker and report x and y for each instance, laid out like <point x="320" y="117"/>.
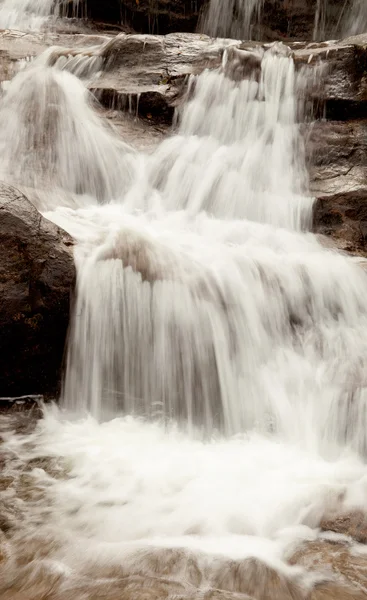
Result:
<point x="355" y="21"/>
<point x="33" y="14"/>
<point x="42" y="116"/>
<point x="232" y="18"/>
<point x="348" y="18"/>
<point x="237" y="18"/>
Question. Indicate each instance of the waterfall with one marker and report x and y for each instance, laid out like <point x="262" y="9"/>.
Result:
<point x="355" y="21"/>
<point x="200" y="297"/>
<point x="33" y="14"/>
<point x="236" y="18"/>
<point x="232" y="18"/>
<point x="42" y="113"/>
<point x="176" y="299"/>
<point x="348" y="18"/>
<point x="214" y="404"/>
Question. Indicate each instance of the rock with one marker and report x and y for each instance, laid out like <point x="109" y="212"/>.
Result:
<point x="36" y="278"/>
<point x="337" y="156"/>
<point x="343" y="216"/>
<point x="338" y="71"/>
<point x="256" y="579"/>
<point x="353" y="524"/>
<point x="343" y="570"/>
<point x="145" y="74"/>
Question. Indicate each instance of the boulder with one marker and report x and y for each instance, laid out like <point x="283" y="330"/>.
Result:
<point x="36" y="278"/>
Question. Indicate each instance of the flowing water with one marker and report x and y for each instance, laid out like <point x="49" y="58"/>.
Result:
<point x="349" y="18"/>
<point x="214" y="406"/>
<point x="33" y="14"/>
<point x="239" y="19"/>
<point x="232" y="18"/>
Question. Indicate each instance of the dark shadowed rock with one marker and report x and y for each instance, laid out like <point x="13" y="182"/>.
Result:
<point x="158" y="17"/>
<point x="36" y="278"/>
<point x="343" y="216"/>
<point x="280" y="19"/>
<point x="337" y="153"/>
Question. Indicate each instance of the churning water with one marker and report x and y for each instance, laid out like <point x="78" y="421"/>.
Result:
<point x="214" y="403"/>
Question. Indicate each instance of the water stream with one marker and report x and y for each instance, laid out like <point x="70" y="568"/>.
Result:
<point x="214" y="406"/>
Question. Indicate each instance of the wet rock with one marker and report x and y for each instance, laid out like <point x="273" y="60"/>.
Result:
<point x="337" y="156"/>
<point x="342" y="567"/>
<point x="256" y="579"/>
<point x="36" y="278"/>
<point x="353" y="524"/>
<point x="338" y="70"/>
<point x="146" y="75"/>
<point x="343" y="216"/>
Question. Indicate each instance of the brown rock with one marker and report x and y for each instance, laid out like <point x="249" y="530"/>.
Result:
<point x="344" y="571"/>
<point x="258" y="580"/>
<point x="343" y="216"/>
<point x="36" y="278"/>
<point x="353" y="524"/>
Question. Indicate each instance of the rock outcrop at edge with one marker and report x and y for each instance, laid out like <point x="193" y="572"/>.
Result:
<point x="36" y="279"/>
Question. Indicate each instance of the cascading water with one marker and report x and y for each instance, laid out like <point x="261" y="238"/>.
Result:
<point x="236" y="18"/>
<point x="349" y="18"/>
<point x="232" y="18"/>
<point x="33" y="14"/>
<point x="178" y="282"/>
<point x="356" y="19"/>
<point x="218" y="348"/>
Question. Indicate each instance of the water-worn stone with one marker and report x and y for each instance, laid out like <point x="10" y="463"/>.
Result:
<point x="343" y="570"/>
<point x="343" y="216"/>
<point x="36" y="278"/>
<point x="352" y="524"/>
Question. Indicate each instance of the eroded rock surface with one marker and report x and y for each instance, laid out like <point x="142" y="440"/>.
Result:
<point x="341" y="567"/>
<point x="36" y="278"/>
